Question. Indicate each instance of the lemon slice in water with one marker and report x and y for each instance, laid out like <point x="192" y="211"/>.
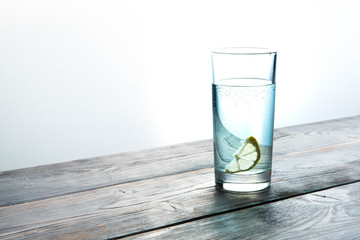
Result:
<point x="246" y="157"/>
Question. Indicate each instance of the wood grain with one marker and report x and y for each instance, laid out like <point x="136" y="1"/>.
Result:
<point x="328" y="214"/>
<point x="31" y="184"/>
<point x="137" y="206"/>
<point x="42" y="182"/>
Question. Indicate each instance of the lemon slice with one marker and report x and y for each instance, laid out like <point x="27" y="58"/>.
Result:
<point x="246" y="157"/>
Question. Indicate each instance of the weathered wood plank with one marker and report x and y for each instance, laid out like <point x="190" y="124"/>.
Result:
<point x="137" y="206"/>
<point x="328" y="214"/>
<point x="41" y="182"/>
<point x="37" y="183"/>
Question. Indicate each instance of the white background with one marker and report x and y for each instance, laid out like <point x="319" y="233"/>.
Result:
<point x="86" y="78"/>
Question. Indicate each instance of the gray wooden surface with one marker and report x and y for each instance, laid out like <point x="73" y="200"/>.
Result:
<point x="169" y="193"/>
<point x="328" y="214"/>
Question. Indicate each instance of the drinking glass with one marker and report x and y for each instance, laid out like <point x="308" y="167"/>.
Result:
<point x="243" y="98"/>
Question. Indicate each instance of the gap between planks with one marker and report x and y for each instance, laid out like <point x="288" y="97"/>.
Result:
<point x="231" y="210"/>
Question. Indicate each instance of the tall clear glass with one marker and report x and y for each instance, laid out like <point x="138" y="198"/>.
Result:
<point x="243" y="94"/>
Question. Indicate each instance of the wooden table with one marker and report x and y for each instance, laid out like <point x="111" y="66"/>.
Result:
<point x="169" y="193"/>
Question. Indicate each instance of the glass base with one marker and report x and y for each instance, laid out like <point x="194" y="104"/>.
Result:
<point x="242" y="182"/>
<point x="240" y="187"/>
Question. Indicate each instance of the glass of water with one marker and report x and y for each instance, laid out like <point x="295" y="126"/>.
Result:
<point x="243" y="98"/>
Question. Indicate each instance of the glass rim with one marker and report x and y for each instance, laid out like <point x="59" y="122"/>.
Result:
<point x="243" y="51"/>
